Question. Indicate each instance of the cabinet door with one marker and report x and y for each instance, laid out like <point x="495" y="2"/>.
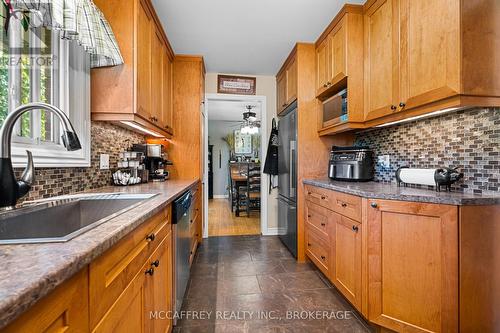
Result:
<point x="63" y="310"/>
<point x="159" y="288"/>
<point x="281" y="87"/>
<point x="346" y="257"/>
<point x="291" y="83"/>
<point x="381" y="59"/>
<point x="129" y="312"/>
<point x="323" y="66"/>
<point x="430" y="50"/>
<point x="413" y="266"/>
<point x="156" y="76"/>
<point x="337" y="57"/>
<point x="144" y="23"/>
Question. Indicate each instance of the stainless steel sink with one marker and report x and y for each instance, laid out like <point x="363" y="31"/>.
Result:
<point x="59" y="220"/>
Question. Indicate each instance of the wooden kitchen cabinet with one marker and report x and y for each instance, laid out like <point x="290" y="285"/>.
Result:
<point x="381" y="59"/>
<point x="64" y="309"/>
<point x="345" y="271"/>
<point x="339" y="66"/>
<point x="429" y="55"/>
<point x="413" y="266"/>
<point x="286" y="83"/>
<point x="139" y="92"/>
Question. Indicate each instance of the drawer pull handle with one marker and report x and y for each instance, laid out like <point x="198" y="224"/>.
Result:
<point x="343" y="204"/>
<point x="156" y="263"/>
<point x="150" y="237"/>
<point x="374" y="205"/>
<point x="355" y="228"/>
<point x="150" y="271"/>
<point x="323" y="224"/>
<point x="323" y="257"/>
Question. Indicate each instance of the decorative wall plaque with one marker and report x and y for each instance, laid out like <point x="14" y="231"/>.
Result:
<point x="240" y="85"/>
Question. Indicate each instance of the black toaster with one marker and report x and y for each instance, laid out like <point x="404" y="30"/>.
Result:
<point x="351" y="164"/>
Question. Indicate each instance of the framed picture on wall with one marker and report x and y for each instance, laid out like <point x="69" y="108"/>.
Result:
<point x="242" y="143"/>
<point x="240" y="85"/>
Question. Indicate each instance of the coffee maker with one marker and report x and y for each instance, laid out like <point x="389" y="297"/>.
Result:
<point x="154" y="160"/>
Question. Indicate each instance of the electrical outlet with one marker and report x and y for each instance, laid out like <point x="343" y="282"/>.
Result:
<point x="384" y="161"/>
<point x="104" y="162"/>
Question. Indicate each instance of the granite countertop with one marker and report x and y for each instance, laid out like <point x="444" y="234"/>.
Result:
<point x="31" y="271"/>
<point x="390" y="191"/>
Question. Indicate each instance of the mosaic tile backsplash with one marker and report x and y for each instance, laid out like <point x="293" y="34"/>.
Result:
<point x="469" y="140"/>
<point x="106" y="139"/>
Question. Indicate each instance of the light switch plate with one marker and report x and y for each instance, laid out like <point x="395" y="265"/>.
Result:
<point x="384" y="161"/>
<point x="104" y="162"/>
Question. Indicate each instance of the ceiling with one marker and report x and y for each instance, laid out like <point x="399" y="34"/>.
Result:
<point x="230" y="110"/>
<point x="244" y="36"/>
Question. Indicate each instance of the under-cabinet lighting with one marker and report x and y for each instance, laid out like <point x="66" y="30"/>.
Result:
<point x="142" y="129"/>
<point x="428" y="115"/>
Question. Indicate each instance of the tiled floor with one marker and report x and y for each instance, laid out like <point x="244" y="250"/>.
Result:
<point x="253" y="284"/>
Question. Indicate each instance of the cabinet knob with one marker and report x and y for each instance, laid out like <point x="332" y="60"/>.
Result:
<point x="156" y="263"/>
<point x="325" y="85"/>
<point x="355" y="228"/>
<point x="323" y="197"/>
<point x="374" y="205"/>
<point x="394" y="107"/>
<point x="309" y="193"/>
<point x="402" y="104"/>
<point x="308" y="244"/>
<point x="150" y="237"/>
<point x="323" y="257"/>
<point x="343" y="204"/>
<point x="150" y="271"/>
<point x="309" y="215"/>
<point x="323" y="224"/>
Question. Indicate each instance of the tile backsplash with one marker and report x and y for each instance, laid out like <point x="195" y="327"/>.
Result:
<point x="106" y="139"/>
<point x="469" y="140"/>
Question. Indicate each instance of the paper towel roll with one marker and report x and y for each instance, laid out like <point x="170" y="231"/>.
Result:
<point x="417" y="176"/>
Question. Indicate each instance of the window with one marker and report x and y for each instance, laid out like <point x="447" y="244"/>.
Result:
<point x="37" y="65"/>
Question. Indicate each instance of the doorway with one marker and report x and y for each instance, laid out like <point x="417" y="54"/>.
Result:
<point x="235" y="142"/>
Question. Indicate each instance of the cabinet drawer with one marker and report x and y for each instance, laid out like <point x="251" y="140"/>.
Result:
<point x="318" y="251"/>
<point x="347" y="205"/>
<point x="319" y="196"/>
<point x="317" y="218"/>
<point x="110" y="274"/>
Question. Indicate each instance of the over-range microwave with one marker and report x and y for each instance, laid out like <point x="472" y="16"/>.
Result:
<point x="335" y="109"/>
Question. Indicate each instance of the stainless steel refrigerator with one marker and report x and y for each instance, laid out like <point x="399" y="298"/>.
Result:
<point x="287" y="178"/>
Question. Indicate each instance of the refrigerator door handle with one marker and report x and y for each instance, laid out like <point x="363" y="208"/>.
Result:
<point x="292" y="169"/>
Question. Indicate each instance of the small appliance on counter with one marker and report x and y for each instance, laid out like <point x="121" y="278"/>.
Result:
<point x="351" y="164"/>
<point x="430" y="177"/>
<point x="155" y="160"/>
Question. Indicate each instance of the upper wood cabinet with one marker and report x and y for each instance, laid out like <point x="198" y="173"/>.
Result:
<point x="286" y="83"/>
<point x="140" y="90"/>
<point x="381" y="59"/>
<point x="339" y="65"/>
<point x="413" y="266"/>
<point x="421" y="56"/>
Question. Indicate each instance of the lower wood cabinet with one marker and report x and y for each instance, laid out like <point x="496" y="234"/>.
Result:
<point x="66" y="309"/>
<point x="413" y="266"/>
<point x="129" y="288"/>
<point x="408" y="266"/>
<point x="346" y="256"/>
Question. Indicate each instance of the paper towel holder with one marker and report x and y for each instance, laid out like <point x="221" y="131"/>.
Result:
<point x="440" y="177"/>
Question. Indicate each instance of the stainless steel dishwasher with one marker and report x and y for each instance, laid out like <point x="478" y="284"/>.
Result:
<point x="181" y="212"/>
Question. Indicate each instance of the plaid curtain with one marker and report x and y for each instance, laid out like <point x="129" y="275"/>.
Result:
<point x="78" y="20"/>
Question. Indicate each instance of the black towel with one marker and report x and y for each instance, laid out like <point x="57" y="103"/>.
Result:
<point x="271" y="165"/>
